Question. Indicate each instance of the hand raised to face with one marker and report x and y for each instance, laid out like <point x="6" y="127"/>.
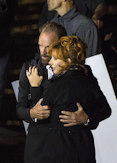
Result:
<point x="33" y="76"/>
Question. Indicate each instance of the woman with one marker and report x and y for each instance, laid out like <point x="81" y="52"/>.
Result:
<point x="72" y="82"/>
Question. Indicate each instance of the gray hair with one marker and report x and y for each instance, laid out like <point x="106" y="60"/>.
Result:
<point x="53" y="27"/>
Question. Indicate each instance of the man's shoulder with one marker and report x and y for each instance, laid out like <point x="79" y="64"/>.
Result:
<point x="74" y="17"/>
<point x="82" y="20"/>
<point x="78" y="20"/>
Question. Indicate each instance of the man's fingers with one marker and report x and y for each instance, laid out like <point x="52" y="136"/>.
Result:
<point x="66" y="120"/>
<point x="40" y="101"/>
<point x="66" y="113"/>
<point x="64" y="117"/>
<point x="42" y="107"/>
<point x="70" y="116"/>
<point x="43" y="115"/>
<point x="79" y="106"/>
<point x="69" y="120"/>
<point x="45" y="107"/>
<point x="41" y="78"/>
<point x="43" y="112"/>
<point x="69" y="124"/>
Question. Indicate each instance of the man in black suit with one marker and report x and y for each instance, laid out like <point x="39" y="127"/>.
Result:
<point x="49" y="33"/>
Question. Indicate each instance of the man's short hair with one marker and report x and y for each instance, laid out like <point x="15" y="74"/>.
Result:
<point x="53" y="27"/>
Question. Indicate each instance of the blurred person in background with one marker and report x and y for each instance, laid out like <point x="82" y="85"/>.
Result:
<point x="104" y="10"/>
<point x="110" y="49"/>
<point x="76" y="24"/>
<point x="88" y="8"/>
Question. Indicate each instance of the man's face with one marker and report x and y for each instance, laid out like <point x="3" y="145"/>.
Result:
<point x="44" y="42"/>
<point x="54" y="4"/>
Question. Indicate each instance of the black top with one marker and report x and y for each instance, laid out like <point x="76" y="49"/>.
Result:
<point x="63" y="92"/>
<point x="24" y="95"/>
<point x="49" y="141"/>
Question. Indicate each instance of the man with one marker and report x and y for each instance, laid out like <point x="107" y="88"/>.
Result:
<point x="49" y="33"/>
<point x="86" y="7"/>
<point x="76" y="24"/>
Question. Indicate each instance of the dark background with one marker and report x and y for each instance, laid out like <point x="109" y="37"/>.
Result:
<point x="24" y="35"/>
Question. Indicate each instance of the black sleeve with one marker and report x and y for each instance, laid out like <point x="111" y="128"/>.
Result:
<point x="100" y="111"/>
<point x="96" y="106"/>
<point x="36" y="94"/>
<point x="23" y="104"/>
<point x="28" y="96"/>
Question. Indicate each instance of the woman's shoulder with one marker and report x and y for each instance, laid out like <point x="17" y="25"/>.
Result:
<point x="81" y="72"/>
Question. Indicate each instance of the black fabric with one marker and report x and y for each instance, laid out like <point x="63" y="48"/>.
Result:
<point x="76" y="86"/>
<point x="51" y="142"/>
<point x="24" y="102"/>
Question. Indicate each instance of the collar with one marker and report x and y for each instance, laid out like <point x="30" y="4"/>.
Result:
<point x="73" y="12"/>
<point x="49" y="72"/>
<point x="72" y="71"/>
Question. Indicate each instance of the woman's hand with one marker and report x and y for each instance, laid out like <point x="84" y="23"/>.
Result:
<point x="33" y="77"/>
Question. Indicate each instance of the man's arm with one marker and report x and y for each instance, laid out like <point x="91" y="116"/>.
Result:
<point x="23" y="96"/>
<point x="88" y="32"/>
<point x="92" y="41"/>
<point x="97" y="112"/>
<point x="40" y="112"/>
<point x="79" y="117"/>
<point x="74" y="118"/>
<point x="25" y="109"/>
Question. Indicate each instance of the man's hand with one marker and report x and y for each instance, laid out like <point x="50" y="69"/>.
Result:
<point x="40" y="112"/>
<point x="74" y="118"/>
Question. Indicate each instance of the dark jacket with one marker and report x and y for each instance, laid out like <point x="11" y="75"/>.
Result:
<point x="73" y="87"/>
<point x="48" y="140"/>
<point x="26" y="99"/>
<point x="24" y="96"/>
<point x="81" y="26"/>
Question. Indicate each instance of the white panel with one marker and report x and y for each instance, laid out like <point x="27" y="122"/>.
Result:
<point x="15" y="85"/>
<point x="105" y="136"/>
